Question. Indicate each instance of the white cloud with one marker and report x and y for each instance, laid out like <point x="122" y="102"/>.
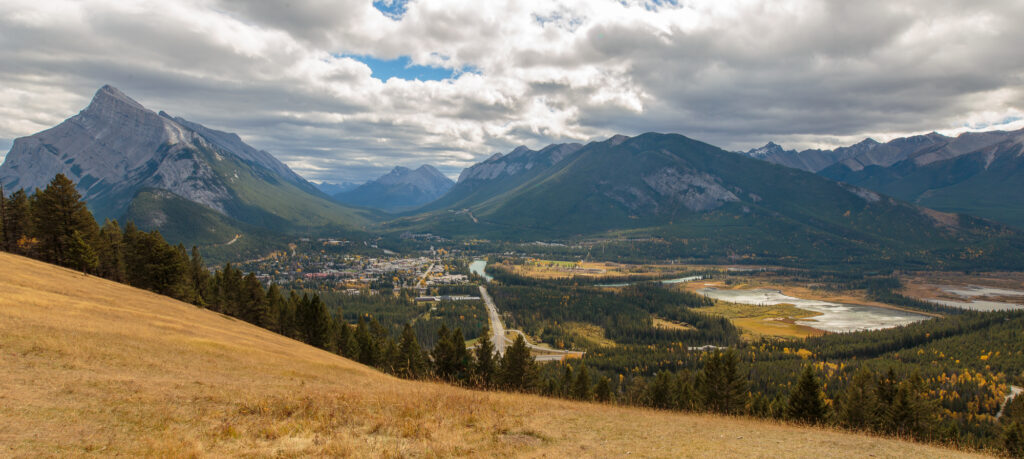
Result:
<point x="734" y="73"/>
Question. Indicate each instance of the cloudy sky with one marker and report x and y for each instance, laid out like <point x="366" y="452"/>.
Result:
<point x="346" y="89"/>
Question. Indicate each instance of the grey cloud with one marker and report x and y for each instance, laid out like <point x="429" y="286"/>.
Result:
<point x="803" y="71"/>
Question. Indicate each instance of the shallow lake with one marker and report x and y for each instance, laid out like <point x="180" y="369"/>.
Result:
<point x="678" y="280"/>
<point x="834" y="317"/>
<point x="971" y="292"/>
<point x="477" y="267"/>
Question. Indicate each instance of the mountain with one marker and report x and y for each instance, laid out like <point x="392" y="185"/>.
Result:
<point x="398" y="190"/>
<point x="980" y="174"/>
<point x="691" y="199"/>
<point x="500" y="173"/>
<point x="331" y="189"/>
<point x="119" y="152"/>
<point x="98" y="366"/>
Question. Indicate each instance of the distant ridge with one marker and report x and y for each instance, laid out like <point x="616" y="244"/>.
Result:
<point x="977" y="173"/>
<point x="398" y="190"/>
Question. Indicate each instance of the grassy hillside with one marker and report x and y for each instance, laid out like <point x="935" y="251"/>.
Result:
<point x="92" y="367"/>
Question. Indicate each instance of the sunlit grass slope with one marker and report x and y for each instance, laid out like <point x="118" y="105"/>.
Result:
<point x="91" y="367"/>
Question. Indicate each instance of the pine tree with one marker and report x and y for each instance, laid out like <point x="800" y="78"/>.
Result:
<point x="200" y="279"/>
<point x="807" y="402"/>
<point x="18" y="224"/>
<point x="659" y="392"/>
<point x="4" y="244"/>
<point x="111" y="252"/>
<point x="565" y="384"/>
<point x="368" y="351"/>
<point x="911" y="413"/>
<point x="859" y="404"/>
<point x="410" y="357"/>
<point x="462" y="360"/>
<point x="79" y="254"/>
<point x="1013" y="439"/>
<point x="685" y="394"/>
<point x="581" y="387"/>
<point x="442" y="354"/>
<point x="603" y="391"/>
<point x="486" y="368"/>
<point x="57" y="212"/>
<point x="518" y="370"/>
<point x="722" y="388"/>
<point x="314" y="322"/>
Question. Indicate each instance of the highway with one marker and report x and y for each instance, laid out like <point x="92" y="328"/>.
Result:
<point x="497" y="328"/>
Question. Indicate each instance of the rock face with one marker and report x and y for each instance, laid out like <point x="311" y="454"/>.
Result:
<point x="398" y="190"/>
<point x="115" y="148"/>
<point x="520" y="160"/>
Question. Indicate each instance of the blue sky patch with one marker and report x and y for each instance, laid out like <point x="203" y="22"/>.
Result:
<point x="393" y="9"/>
<point x="404" y="68"/>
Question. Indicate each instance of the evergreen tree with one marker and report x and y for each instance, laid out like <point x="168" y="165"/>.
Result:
<point x="685" y="394"/>
<point x="659" y="391"/>
<point x="57" y="212"/>
<point x="603" y="391"/>
<point x="275" y="306"/>
<point x="200" y="279"/>
<point x="18" y="224"/>
<point x="911" y="413"/>
<point x="410" y="362"/>
<point x="1013" y="439"/>
<point x="154" y="265"/>
<point x="442" y="354"/>
<point x="518" y="369"/>
<point x="4" y="242"/>
<point x="80" y="254"/>
<point x="859" y="404"/>
<point x="807" y="402"/>
<point x="368" y="351"/>
<point x="486" y="367"/>
<point x="111" y="252"/>
<point x="314" y="322"/>
<point x="581" y="389"/>
<point x="722" y="388"/>
<point x="565" y="384"/>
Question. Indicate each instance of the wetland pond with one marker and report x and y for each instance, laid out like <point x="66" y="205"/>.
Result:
<point x="477" y="267"/>
<point x="832" y="317"/>
<point x="969" y="298"/>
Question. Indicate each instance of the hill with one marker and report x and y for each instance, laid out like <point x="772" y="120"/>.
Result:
<point x="698" y="201"/>
<point x="117" y="151"/>
<point x="96" y="367"/>
<point x="398" y="190"/>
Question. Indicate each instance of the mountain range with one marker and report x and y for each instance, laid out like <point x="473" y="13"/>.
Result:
<point x="193" y="183"/>
<point x="653" y="195"/>
<point x="978" y="173"/>
<point x="690" y="199"/>
<point x="399" y="190"/>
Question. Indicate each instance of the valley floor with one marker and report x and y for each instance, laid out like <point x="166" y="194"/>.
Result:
<point x="91" y="367"/>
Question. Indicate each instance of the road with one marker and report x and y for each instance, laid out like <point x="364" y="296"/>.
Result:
<point x="423" y="280"/>
<point x="497" y="328"/>
<point x="1014" y="391"/>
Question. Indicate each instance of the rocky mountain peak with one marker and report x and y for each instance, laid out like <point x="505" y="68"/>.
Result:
<point x="109" y="95"/>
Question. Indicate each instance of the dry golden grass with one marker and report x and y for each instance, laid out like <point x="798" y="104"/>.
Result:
<point x="90" y="367"/>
